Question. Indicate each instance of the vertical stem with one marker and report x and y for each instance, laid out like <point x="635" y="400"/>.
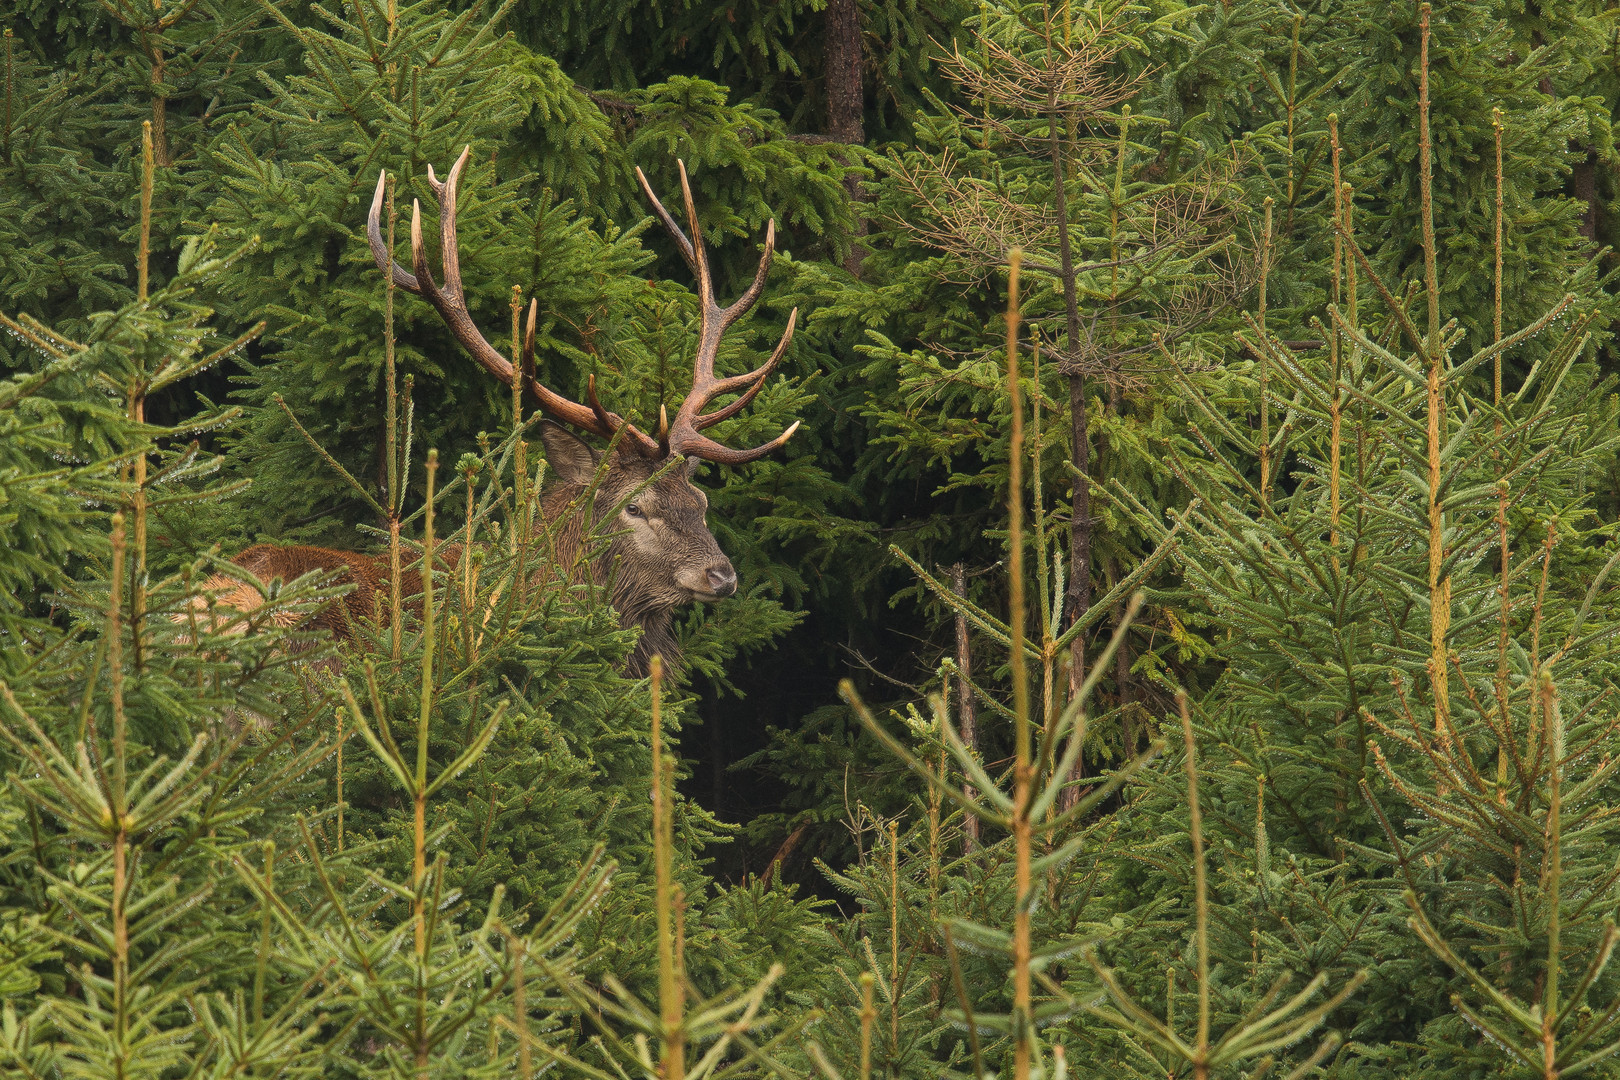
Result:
<point x="1170" y="997"/>
<point x="1496" y="279"/>
<point x="143" y="253"/>
<point x="390" y="386"/>
<point x="1023" y="767"/>
<point x="1338" y="207"/>
<point x="424" y="715"/>
<point x="392" y="463"/>
<point x="119" y="804"/>
<point x="466" y="571"/>
<point x="1078" y="600"/>
<point x="967" y="716"/>
<point x="868" y="1015"/>
<point x="520" y="1008"/>
<point x="984" y="41"/>
<point x="263" y="959"/>
<point x="1293" y="107"/>
<point x="670" y="999"/>
<point x="935" y="799"/>
<point x="1200" y="891"/>
<point x="160" y="105"/>
<point x="5" y="135"/>
<point x="1043" y="581"/>
<point x="1504" y="718"/>
<point x="1262" y="864"/>
<point x="115" y="661"/>
<point x="120" y="921"/>
<point x="1336" y="428"/>
<point x="679" y="907"/>
<point x="1502" y="489"/>
<point x="1265" y="361"/>
<point x="520" y="452"/>
<point x="419" y="792"/>
<point x="1431" y="285"/>
<point x="396" y="597"/>
<point x="894" y="937"/>
<point x="1439" y="588"/>
<point x="137" y="408"/>
<point x="340" y="779"/>
<point x="1115" y="201"/>
<point x="1335" y="406"/>
<point x="1555" y="869"/>
<point x="1015" y="506"/>
<point x="1351" y="274"/>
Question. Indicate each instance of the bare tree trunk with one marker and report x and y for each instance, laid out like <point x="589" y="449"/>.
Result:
<point x="1583" y="184"/>
<point x="966" y="718"/>
<point x="846" y="98"/>
<point x="1077" y="600"/>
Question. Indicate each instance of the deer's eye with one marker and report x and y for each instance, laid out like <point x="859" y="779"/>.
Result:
<point x="633" y="510"/>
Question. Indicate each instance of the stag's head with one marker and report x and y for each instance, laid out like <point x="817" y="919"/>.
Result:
<point x="664" y="551"/>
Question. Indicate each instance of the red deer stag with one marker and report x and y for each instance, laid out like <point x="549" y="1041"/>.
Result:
<point x="662" y="554"/>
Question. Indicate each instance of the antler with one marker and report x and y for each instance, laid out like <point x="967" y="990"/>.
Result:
<point x="451" y="303"/>
<point x="684" y="435"/>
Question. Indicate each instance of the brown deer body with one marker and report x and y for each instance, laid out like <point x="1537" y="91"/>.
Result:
<point x="368" y="574"/>
<point x="661" y="554"/>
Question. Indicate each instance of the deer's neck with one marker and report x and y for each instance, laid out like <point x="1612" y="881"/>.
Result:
<point x="560" y="504"/>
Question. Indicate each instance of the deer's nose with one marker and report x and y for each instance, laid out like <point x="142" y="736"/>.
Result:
<point x="722" y="578"/>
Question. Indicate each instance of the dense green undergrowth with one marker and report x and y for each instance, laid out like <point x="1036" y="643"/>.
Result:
<point x="1179" y="641"/>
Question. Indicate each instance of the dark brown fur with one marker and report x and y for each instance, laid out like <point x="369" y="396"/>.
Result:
<point x="661" y="557"/>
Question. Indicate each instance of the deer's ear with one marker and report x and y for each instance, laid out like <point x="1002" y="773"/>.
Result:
<point x="567" y="453"/>
<point x="693" y="464"/>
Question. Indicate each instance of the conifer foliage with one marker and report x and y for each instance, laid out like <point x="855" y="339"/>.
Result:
<point x="1178" y="642"/>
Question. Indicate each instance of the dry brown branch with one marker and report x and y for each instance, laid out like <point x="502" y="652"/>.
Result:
<point x="1076" y="76"/>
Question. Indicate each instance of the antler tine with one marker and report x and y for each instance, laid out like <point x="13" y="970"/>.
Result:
<point x="684" y="435"/>
<point x="701" y="446"/>
<point x="700" y="257"/>
<point x="403" y="278"/>
<point x="755" y="380"/>
<point x="670" y="225"/>
<point x="751" y="295"/>
<point x="449" y="246"/>
<point x="425" y="285"/>
<point x="608" y="420"/>
<point x="526" y="355"/>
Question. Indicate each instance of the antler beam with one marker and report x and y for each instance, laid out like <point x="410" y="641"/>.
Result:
<point x="685" y="432"/>
<point x="450" y="301"/>
<point x="682" y="436"/>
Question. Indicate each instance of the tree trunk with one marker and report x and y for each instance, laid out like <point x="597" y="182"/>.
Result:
<point x="1077" y="600"/>
<point x="846" y="99"/>
<point x="1583" y="185"/>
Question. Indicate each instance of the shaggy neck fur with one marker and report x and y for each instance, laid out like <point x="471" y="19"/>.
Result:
<point x="651" y="611"/>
